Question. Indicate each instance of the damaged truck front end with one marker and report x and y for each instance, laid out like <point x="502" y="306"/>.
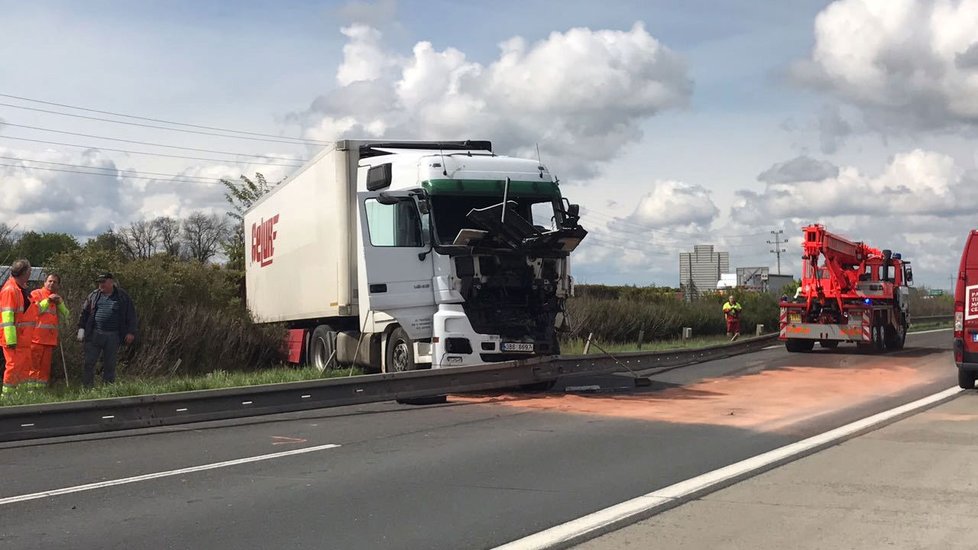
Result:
<point x="502" y="272"/>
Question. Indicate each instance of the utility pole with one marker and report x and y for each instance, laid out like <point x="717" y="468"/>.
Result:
<point x="777" y="250"/>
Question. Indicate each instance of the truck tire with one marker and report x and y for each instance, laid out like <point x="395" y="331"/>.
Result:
<point x="828" y="344"/>
<point x="794" y="345"/>
<point x="322" y="348"/>
<point x="879" y="340"/>
<point x="400" y="352"/>
<point x="895" y="338"/>
<point x="966" y="379"/>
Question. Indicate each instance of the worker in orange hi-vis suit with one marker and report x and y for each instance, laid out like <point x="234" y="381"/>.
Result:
<point x="49" y="306"/>
<point x="17" y="318"/>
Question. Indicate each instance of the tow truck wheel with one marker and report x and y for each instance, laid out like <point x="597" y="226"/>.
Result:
<point x="966" y="379"/>
<point x="879" y="343"/>
<point x="895" y="338"/>
<point x="400" y="352"/>
<point x="794" y="345"/>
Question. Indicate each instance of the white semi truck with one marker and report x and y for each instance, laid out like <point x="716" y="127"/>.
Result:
<point x="402" y="255"/>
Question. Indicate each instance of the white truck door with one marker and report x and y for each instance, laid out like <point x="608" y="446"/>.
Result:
<point x="397" y="259"/>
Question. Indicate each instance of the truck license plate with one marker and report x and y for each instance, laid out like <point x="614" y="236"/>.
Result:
<point x="794" y="318"/>
<point x="974" y="337"/>
<point x="517" y="346"/>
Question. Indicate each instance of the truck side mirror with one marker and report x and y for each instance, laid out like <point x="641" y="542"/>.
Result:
<point x="572" y="214"/>
<point x="388" y="200"/>
<point x="909" y="276"/>
<point x="379" y="177"/>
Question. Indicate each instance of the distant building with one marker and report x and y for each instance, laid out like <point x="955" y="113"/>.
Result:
<point x="761" y="279"/>
<point x="36" y="280"/>
<point x="700" y="270"/>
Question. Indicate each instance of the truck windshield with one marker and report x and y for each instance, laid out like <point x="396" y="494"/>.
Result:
<point x="450" y="211"/>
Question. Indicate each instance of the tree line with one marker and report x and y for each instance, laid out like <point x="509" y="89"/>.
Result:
<point x="199" y="237"/>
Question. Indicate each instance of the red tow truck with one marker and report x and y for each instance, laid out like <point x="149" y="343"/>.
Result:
<point x="857" y="294"/>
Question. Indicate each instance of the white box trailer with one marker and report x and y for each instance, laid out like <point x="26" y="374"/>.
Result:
<point x="400" y="255"/>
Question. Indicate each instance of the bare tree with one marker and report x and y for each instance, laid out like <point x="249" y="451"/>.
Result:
<point x="140" y="239"/>
<point x="203" y="235"/>
<point x="169" y="230"/>
<point x="7" y="242"/>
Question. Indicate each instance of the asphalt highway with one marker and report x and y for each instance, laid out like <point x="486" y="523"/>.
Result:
<point x="476" y="472"/>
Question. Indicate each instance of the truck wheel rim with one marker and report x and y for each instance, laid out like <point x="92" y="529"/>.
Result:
<point x="321" y="356"/>
<point x="400" y="357"/>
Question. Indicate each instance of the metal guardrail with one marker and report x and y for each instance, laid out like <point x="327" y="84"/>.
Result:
<point x="103" y="415"/>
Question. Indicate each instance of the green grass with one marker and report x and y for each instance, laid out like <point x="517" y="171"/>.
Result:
<point x="575" y="346"/>
<point x="126" y="387"/>
<point x="930" y="326"/>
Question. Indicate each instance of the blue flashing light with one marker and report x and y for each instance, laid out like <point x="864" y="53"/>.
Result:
<point x="868" y="301"/>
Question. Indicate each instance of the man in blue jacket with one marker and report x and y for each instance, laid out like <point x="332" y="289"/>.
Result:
<point x="107" y="319"/>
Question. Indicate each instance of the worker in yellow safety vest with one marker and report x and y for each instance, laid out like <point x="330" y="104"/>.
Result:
<point x="50" y="306"/>
<point x="17" y="318"/>
<point x="731" y="310"/>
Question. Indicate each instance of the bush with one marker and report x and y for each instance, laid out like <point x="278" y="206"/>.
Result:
<point x="617" y="314"/>
<point x="189" y="313"/>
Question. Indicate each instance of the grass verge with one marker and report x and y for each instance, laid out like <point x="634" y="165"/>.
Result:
<point x="153" y="386"/>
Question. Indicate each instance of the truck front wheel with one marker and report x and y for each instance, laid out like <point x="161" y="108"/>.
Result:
<point x="322" y="348"/>
<point x="400" y="352"/>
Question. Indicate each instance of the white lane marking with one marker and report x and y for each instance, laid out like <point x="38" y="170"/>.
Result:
<point x="929" y="331"/>
<point x="646" y="505"/>
<point x="157" y="475"/>
<point x="771" y="347"/>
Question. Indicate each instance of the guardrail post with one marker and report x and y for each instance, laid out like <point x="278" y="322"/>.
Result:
<point x="760" y="330"/>
<point x="587" y="344"/>
<point x="687" y="333"/>
<point x="641" y="335"/>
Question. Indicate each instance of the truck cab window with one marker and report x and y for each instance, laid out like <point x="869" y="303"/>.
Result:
<point x="543" y="215"/>
<point x="396" y="224"/>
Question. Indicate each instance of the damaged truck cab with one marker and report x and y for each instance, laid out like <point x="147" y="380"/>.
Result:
<point x="461" y="258"/>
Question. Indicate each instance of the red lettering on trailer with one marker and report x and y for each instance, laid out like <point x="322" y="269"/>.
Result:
<point x="263" y="240"/>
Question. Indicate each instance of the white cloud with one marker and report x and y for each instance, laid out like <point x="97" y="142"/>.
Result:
<point x="799" y="169"/>
<point x="91" y="192"/>
<point x="580" y="94"/>
<point x="674" y="203"/>
<point x="906" y="63"/>
<point x="914" y="183"/>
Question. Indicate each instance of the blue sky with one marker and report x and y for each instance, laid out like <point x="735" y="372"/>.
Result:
<point x="659" y="117"/>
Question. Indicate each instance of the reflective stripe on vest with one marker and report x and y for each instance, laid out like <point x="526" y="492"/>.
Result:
<point x="47" y="326"/>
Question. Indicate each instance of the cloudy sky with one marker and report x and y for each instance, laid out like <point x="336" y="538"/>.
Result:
<point x="671" y="123"/>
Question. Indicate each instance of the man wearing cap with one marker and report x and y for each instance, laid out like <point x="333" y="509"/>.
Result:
<point x="108" y="318"/>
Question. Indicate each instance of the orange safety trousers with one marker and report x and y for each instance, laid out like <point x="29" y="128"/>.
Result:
<point x="40" y="373"/>
<point x="20" y="363"/>
<point x="16" y="327"/>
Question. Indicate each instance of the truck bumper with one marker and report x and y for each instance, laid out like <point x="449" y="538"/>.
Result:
<point x="814" y="331"/>
<point x="964" y="360"/>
